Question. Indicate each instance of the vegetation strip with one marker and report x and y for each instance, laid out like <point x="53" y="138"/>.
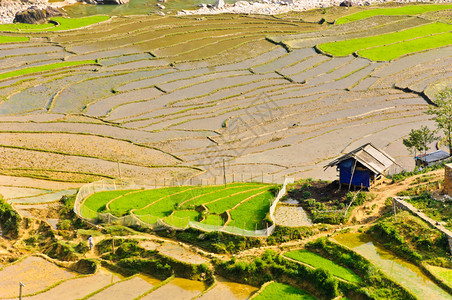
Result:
<point x="389" y="52"/>
<point x="62" y="24"/>
<point x="396" y="11"/>
<point x="39" y="69"/>
<point x="347" y="47"/>
<point x="317" y="261"/>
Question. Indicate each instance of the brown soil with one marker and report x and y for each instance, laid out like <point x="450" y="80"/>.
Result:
<point x="365" y="214"/>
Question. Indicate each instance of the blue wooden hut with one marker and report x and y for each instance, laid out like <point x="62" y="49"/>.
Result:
<point x="363" y="166"/>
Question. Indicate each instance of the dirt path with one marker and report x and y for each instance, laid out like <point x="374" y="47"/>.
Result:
<point x="382" y="192"/>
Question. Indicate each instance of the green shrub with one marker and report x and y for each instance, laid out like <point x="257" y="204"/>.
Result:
<point x="10" y="220"/>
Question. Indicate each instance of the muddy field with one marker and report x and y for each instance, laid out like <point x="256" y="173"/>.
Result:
<point x="175" y="96"/>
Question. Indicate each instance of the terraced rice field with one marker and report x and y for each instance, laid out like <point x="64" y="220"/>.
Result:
<point x="45" y="280"/>
<point x="277" y="290"/>
<point x="174" y="97"/>
<point x="317" y="261"/>
<point x="247" y="204"/>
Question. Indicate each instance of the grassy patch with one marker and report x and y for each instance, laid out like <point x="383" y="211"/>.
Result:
<point x="13" y="39"/>
<point x="44" y="68"/>
<point x="213" y="220"/>
<point x="347" y="47"/>
<point x="140" y="199"/>
<point x="396" y="11"/>
<point x="389" y="52"/>
<point x="318" y="261"/>
<point x="437" y="210"/>
<point x="97" y="201"/>
<point x="68" y="23"/>
<point x="63" y="24"/>
<point x="445" y="274"/>
<point x="252" y="212"/>
<point x="276" y="290"/>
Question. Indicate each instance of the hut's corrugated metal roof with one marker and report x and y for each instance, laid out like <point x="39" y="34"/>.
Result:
<point x="368" y="155"/>
<point x="433" y="156"/>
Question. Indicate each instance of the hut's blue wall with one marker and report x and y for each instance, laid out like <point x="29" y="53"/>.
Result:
<point x="360" y="177"/>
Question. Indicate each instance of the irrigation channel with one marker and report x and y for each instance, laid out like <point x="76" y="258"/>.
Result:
<point x="405" y="273"/>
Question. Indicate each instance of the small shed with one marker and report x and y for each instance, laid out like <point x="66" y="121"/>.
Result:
<point x="362" y="166"/>
<point x="432" y="158"/>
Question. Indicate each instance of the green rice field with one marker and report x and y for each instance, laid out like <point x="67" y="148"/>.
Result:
<point x="63" y="24"/>
<point x="179" y="205"/>
<point x="13" y="39"/>
<point x="317" y="261"/>
<point x="347" y="47"/>
<point x="45" y="68"/>
<point x="389" y="52"/>
<point x="276" y="290"/>
<point x="405" y="10"/>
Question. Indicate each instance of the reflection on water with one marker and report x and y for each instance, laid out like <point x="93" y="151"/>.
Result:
<point x="404" y="273"/>
<point x="134" y="7"/>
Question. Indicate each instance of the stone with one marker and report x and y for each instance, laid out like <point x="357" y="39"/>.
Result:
<point x="32" y="15"/>
<point x="219" y="4"/>
<point x="346" y="3"/>
<point x="116" y="2"/>
<point x="53" y="12"/>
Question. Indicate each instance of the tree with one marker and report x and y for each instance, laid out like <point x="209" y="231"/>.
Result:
<point x="442" y="114"/>
<point x="419" y="139"/>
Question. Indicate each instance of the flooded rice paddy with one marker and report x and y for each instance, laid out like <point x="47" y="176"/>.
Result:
<point x="174" y="95"/>
<point x="401" y="271"/>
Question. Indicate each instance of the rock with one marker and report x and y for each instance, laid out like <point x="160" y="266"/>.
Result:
<point x="160" y="6"/>
<point x="117" y="2"/>
<point x="202" y="5"/>
<point x="53" y="12"/>
<point x="33" y="15"/>
<point x="346" y="3"/>
<point x="160" y="13"/>
<point x="219" y="4"/>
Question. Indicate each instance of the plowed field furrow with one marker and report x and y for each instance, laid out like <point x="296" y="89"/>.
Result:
<point x="104" y="54"/>
<point x="362" y="32"/>
<point x="125" y="59"/>
<point x="289" y="59"/>
<point x="127" y="289"/>
<point x="84" y="286"/>
<point x="409" y="61"/>
<point x="178" y="288"/>
<point x="30" y="50"/>
<point x="324" y="67"/>
<point x="37" y="272"/>
<point x="303" y="65"/>
<point x="211" y="50"/>
<point x="186" y="83"/>
<point x="162" y="77"/>
<point x="103" y="106"/>
<point x="11" y="62"/>
<point x="264" y="89"/>
<point x="39" y="161"/>
<point x="420" y="86"/>
<point x="359" y="25"/>
<point x="82" y="145"/>
<point x="77" y="96"/>
<point x="102" y="130"/>
<point x="189" y="92"/>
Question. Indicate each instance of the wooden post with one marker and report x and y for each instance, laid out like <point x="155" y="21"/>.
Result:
<point x="394" y="208"/>
<point x="20" y="289"/>
<point x="353" y="173"/>
<point x="224" y="173"/>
